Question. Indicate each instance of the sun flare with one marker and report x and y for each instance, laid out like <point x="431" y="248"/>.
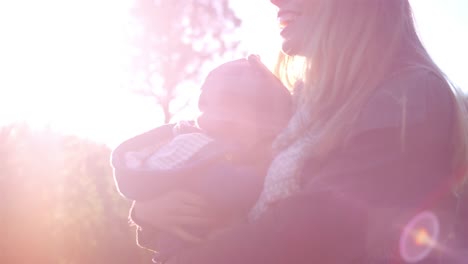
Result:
<point x="63" y="60"/>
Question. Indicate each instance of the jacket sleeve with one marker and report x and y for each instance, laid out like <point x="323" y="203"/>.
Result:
<point x="139" y="183"/>
<point x="396" y="163"/>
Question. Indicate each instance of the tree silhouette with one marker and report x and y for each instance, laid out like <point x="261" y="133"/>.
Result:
<point x="173" y="41"/>
<point x="59" y="201"/>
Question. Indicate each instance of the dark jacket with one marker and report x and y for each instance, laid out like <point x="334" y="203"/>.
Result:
<point x="354" y="207"/>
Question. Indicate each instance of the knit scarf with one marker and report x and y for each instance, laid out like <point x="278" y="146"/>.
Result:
<point x="292" y="148"/>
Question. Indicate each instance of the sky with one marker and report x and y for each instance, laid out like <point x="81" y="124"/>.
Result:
<point x="61" y="60"/>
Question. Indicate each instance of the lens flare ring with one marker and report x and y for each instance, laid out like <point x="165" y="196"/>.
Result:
<point x="419" y="237"/>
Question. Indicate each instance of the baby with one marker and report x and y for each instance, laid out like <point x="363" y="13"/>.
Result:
<point x="222" y="156"/>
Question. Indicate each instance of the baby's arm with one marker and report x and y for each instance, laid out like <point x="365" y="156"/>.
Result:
<point x="133" y="179"/>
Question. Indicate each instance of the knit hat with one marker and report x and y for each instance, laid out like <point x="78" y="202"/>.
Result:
<point x="244" y="92"/>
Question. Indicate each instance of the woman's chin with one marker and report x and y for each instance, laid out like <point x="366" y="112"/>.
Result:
<point x="290" y="47"/>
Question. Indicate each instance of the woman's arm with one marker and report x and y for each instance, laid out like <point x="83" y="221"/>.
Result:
<point x="396" y="163"/>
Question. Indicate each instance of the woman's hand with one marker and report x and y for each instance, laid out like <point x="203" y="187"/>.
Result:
<point x="174" y="211"/>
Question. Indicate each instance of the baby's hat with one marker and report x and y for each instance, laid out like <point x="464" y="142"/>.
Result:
<point x="244" y="91"/>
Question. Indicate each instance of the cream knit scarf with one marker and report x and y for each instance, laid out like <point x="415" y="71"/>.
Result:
<point x="292" y="148"/>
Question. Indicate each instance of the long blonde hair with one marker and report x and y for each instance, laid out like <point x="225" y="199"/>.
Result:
<point x="352" y="47"/>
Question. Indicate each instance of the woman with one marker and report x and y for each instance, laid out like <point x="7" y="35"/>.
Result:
<point x="365" y="170"/>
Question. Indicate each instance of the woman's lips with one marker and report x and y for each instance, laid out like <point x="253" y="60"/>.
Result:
<point x="286" y="17"/>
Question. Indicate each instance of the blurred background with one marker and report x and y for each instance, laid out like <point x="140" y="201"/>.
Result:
<point x="79" y="77"/>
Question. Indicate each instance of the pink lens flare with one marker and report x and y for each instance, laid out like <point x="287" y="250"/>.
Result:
<point x="419" y="237"/>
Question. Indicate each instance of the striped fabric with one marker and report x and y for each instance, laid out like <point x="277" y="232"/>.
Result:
<point x="171" y="155"/>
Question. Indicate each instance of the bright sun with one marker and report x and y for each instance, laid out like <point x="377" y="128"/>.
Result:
<point x="63" y="62"/>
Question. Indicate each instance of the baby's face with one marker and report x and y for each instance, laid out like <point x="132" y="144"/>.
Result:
<point x="246" y="135"/>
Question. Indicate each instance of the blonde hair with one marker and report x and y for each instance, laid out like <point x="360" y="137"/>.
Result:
<point x="349" y="50"/>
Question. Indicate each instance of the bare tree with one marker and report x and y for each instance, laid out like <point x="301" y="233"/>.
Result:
<point x="173" y="41"/>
